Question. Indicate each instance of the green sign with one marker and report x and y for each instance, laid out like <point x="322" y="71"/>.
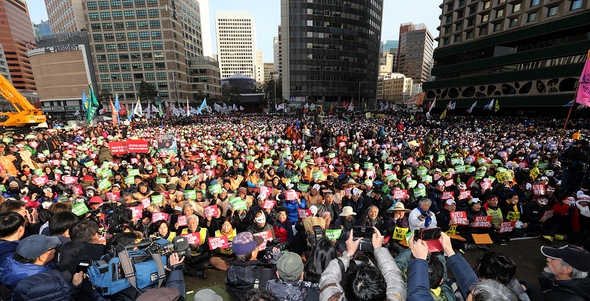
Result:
<point x="333" y="234"/>
<point x="157" y="199"/>
<point x="79" y="209"/>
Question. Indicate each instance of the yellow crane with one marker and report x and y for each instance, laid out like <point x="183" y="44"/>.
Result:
<point x="26" y="114"/>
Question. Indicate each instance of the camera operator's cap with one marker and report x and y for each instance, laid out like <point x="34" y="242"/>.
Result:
<point x="290" y="267"/>
<point x="34" y="246"/>
<point x="245" y="243"/>
<point x="450" y="202"/>
<point x="95" y="200"/>
<point x="347" y="211"/>
<point x="207" y="295"/>
<point x="572" y="255"/>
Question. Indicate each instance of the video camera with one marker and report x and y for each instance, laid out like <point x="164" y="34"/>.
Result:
<point x="271" y="257"/>
<point x="366" y="233"/>
<point x="179" y="245"/>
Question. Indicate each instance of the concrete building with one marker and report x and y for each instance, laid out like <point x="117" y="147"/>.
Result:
<point x="4" y="65"/>
<point x="388" y="57"/>
<point x="394" y="87"/>
<point x="16" y="37"/>
<point x="144" y="40"/>
<point x="236" y="43"/>
<point x="416" y="47"/>
<point x="279" y="54"/>
<point x="259" y="67"/>
<point x="67" y="15"/>
<point x="206" y="28"/>
<point x="275" y="48"/>
<point x="331" y="50"/>
<point x="269" y="71"/>
<point x="526" y="54"/>
<point x="63" y="67"/>
<point x="205" y="78"/>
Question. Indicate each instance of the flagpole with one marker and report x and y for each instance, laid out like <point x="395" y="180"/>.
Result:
<point x="568" y="115"/>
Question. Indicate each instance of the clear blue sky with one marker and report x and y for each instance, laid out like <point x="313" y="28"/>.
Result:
<point x="267" y="15"/>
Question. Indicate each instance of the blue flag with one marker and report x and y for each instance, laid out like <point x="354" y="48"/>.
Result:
<point x="117" y="107"/>
<point x="84" y="101"/>
<point x="130" y="113"/>
<point x="203" y="106"/>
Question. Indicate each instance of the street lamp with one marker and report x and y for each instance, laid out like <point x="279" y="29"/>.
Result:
<point x="360" y="104"/>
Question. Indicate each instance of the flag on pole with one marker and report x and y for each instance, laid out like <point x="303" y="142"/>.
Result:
<point x="203" y="106"/>
<point x="583" y="94"/>
<point x="84" y="101"/>
<point x="472" y="106"/>
<point x="92" y="105"/>
<point x="444" y="114"/>
<point x="281" y="106"/>
<point x="241" y="108"/>
<point x="117" y="107"/>
<point x="432" y="105"/>
<point x="114" y="112"/>
<point x="489" y="105"/>
<point x="77" y="113"/>
<point x="351" y="107"/>
<point x="451" y="105"/>
<point x="160" y="110"/>
<point x="497" y="106"/>
<point x="138" y="110"/>
<point x="569" y="103"/>
<point x="130" y="113"/>
<point x="188" y="110"/>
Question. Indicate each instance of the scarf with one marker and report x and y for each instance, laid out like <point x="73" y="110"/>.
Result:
<point x="428" y="219"/>
<point x="514" y="207"/>
<point x="226" y="234"/>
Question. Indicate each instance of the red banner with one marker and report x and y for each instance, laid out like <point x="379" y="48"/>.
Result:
<point x="460" y="218"/>
<point x="118" y="147"/>
<point x="129" y="146"/>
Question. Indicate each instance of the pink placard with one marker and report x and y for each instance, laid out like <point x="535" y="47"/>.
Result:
<point x="112" y="196"/>
<point x="267" y="236"/>
<point x="447" y="195"/>
<point x="269" y="204"/>
<point x="303" y="213"/>
<point x="211" y="211"/>
<point x="449" y="183"/>
<point x="220" y="242"/>
<point x="506" y="227"/>
<point x="134" y="161"/>
<point x="464" y="194"/>
<point x="145" y="202"/>
<point x="182" y="220"/>
<point x="483" y="221"/>
<point x="136" y="212"/>
<point x="291" y="195"/>
<point x="538" y="189"/>
<point x="193" y="238"/>
<point x="399" y="194"/>
<point x="159" y="216"/>
<point x="69" y="180"/>
<point x="265" y="190"/>
<point x="77" y="190"/>
<point x="40" y="180"/>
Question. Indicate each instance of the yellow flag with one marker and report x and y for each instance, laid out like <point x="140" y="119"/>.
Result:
<point x="497" y="106"/>
<point x="444" y="114"/>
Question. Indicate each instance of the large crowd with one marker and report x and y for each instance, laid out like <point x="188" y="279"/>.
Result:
<point x="298" y="207"/>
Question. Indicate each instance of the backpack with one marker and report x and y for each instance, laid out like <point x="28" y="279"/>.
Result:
<point x="138" y="269"/>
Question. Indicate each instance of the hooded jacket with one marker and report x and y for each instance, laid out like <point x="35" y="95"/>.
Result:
<point x="7" y="249"/>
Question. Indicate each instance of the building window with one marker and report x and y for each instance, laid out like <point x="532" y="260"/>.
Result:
<point x="459" y="26"/>
<point x="95" y="26"/>
<point x="162" y="86"/>
<point x="497" y="27"/>
<point x="446" y="41"/>
<point x="119" y="25"/>
<point x="105" y="77"/>
<point x="123" y="56"/>
<point x="161" y="75"/>
<point x="158" y="55"/>
<point x="117" y="14"/>
<point x="552" y="11"/>
<point x="485" y="18"/>
<point x="146" y="45"/>
<point x="486" y="4"/>
<point x="103" y="4"/>
<point x="141" y="13"/>
<point x="155" y="24"/>
<point x="120" y="36"/>
<point x="111" y="47"/>
<point x="109" y="36"/>
<point x="115" y="3"/>
<point x="97" y="37"/>
<point x="150" y="76"/>
<point x="132" y="35"/>
<point x="137" y="66"/>
<point x="144" y="34"/>
<point x="127" y="3"/>
<point x="482" y="31"/>
<point x="106" y="86"/>
<point x="534" y="2"/>
<point x="450" y="7"/>
<point x="91" y="4"/>
<point x="160" y="66"/>
<point x="147" y="55"/>
<point x="447" y="30"/>
<point x="116" y="77"/>
<point x="127" y="76"/>
<point x="513" y="22"/>
<point x="99" y="47"/>
<point x="157" y="45"/>
<point x="118" y="86"/>
<point x="457" y="38"/>
<point x="130" y="25"/>
<point x="142" y="24"/>
<point x="532" y="17"/>
<point x="516" y="7"/>
<point x="156" y="34"/>
<point x="113" y="57"/>
<point x="461" y="3"/>
<point x="103" y="67"/>
<point x="93" y="16"/>
<point x="129" y="14"/>
<point x="576" y="4"/>
<point x="153" y="12"/>
<point x="500" y="13"/>
<point x="469" y="34"/>
<point x="105" y="15"/>
<point x="139" y="3"/>
<point x="101" y="57"/>
<point x="128" y="86"/>
<point x="470" y="22"/>
<point x="148" y="66"/>
<point x="133" y="45"/>
<point x="459" y="14"/>
<point x="472" y="10"/>
<point x="122" y="46"/>
<point x="125" y="67"/>
<point x="135" y="56"/>
<point x="114" y="67"/>
<point x="107" y="26"/>
<point x="164" y="94"/>
<point x="449" y="19"/>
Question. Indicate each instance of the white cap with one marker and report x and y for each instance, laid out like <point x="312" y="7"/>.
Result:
<point x="262" y="196"/>
<point x="420" y="185"/>
<point x="450" y="202"/>
<point x="331" y="166"/>
<point x="313" y="209"/>
<point x="440" y="183"/>
<point x="316" y="187"/>
<point x="475" y="200"/>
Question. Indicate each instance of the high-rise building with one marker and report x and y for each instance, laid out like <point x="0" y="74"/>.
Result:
<point x="269" y="71"/>
<point x="416" y="46"/>
<point x="41" y="29"/>
<point x="331" y="49"/>
<point x="144" y="40"/>
<point x="4" y="65"/>
<point x="394" y="87"/>
<point x="389" y="46"/>
<point x="528" y="55"/>
<point x="388" y="57"/>
<point x="16" y="37"/>
<point x="206" y="78"/>
<point x="275" y="48"/>
<point x="279" y="54"/>
<point x="236" y="43"/>
<point x="205" y="28"/>
<point x="259" y="67"/>
<point x="67" y="15"/>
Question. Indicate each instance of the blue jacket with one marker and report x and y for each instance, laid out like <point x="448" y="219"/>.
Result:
<point x="12" y="271"/>
<point x="418" y="285"/>
<point x="49" y="285"/>
<point x="464" y="274"/>
<point x="292" y="207"/>
<point x="7" y="249"/>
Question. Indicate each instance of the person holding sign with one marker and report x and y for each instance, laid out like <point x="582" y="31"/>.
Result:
<point x="199" y="249"/>
<point x="260" y="225"/>
<point x="539" y="218"/>
<point x="495" y="212"/>
<point x="282" y="226"/>
<point x="224" y="258"/>
<point x="511" y="208"/>
<point x="474" y="213"/>
<point x="449" y="223"/>
<point x="397" y="225"/>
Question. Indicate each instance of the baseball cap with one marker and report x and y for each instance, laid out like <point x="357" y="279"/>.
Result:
<point x="572" y="255"/>
<point x="95" y="200"/>
<point x="245" y="243"/>
<point x="207" y="295"/>
<point x="34" y="246"/>
<point x="450" y="202"/>
<point x="290" y="267"/>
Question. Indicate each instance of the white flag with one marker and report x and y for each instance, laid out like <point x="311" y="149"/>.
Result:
<point x="77" y="112"/>
<point x="138" y="110"/>
<point x="241" y="108"/>
<point x="281" y="106"/>
<point x="472" y="106"/>
<point x="489" y="106"/>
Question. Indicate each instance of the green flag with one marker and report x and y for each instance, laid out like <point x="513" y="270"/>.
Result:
<point x="92" y="106"/>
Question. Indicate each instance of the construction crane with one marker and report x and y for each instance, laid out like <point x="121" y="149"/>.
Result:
<point x="26" y="114"/>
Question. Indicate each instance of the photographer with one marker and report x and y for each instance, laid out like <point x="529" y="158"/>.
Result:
<point x="247" y="272"/>
<point x="363" y="282"/>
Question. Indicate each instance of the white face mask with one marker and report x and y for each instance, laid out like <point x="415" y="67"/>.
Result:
<point x="260" y="219"/>
<point x="543" y="201"/>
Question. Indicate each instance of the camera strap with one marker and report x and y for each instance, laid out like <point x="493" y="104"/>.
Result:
<point x="342" y="270"/>
<point x="161" y="270"/>
<point x="258" y="275"/>
<point x="128" y="270"/>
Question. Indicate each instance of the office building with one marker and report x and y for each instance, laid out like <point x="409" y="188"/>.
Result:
<point x="275" y="48"/>
<point x="236" y="43"/>
<point x="416" y="47"/>
<point x="43" y="28"/>
<point x="279" y="54"/>
<point x="67" y="15"/>
<point x="144" y="40"/>
<point x="63" y="68"/>
<point x="331" y="50"/>
<point x="16" y="37"/>
<point x="526" y="54"/>
<point x="269" y="72"/>
<point x="388" y="57"/>
<point x="394" y="87"/>
<point x="205" y="78"/>
<point x="259" y="67"/>
<point x="4" y="65"/>
<point x="205" y="28"/>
